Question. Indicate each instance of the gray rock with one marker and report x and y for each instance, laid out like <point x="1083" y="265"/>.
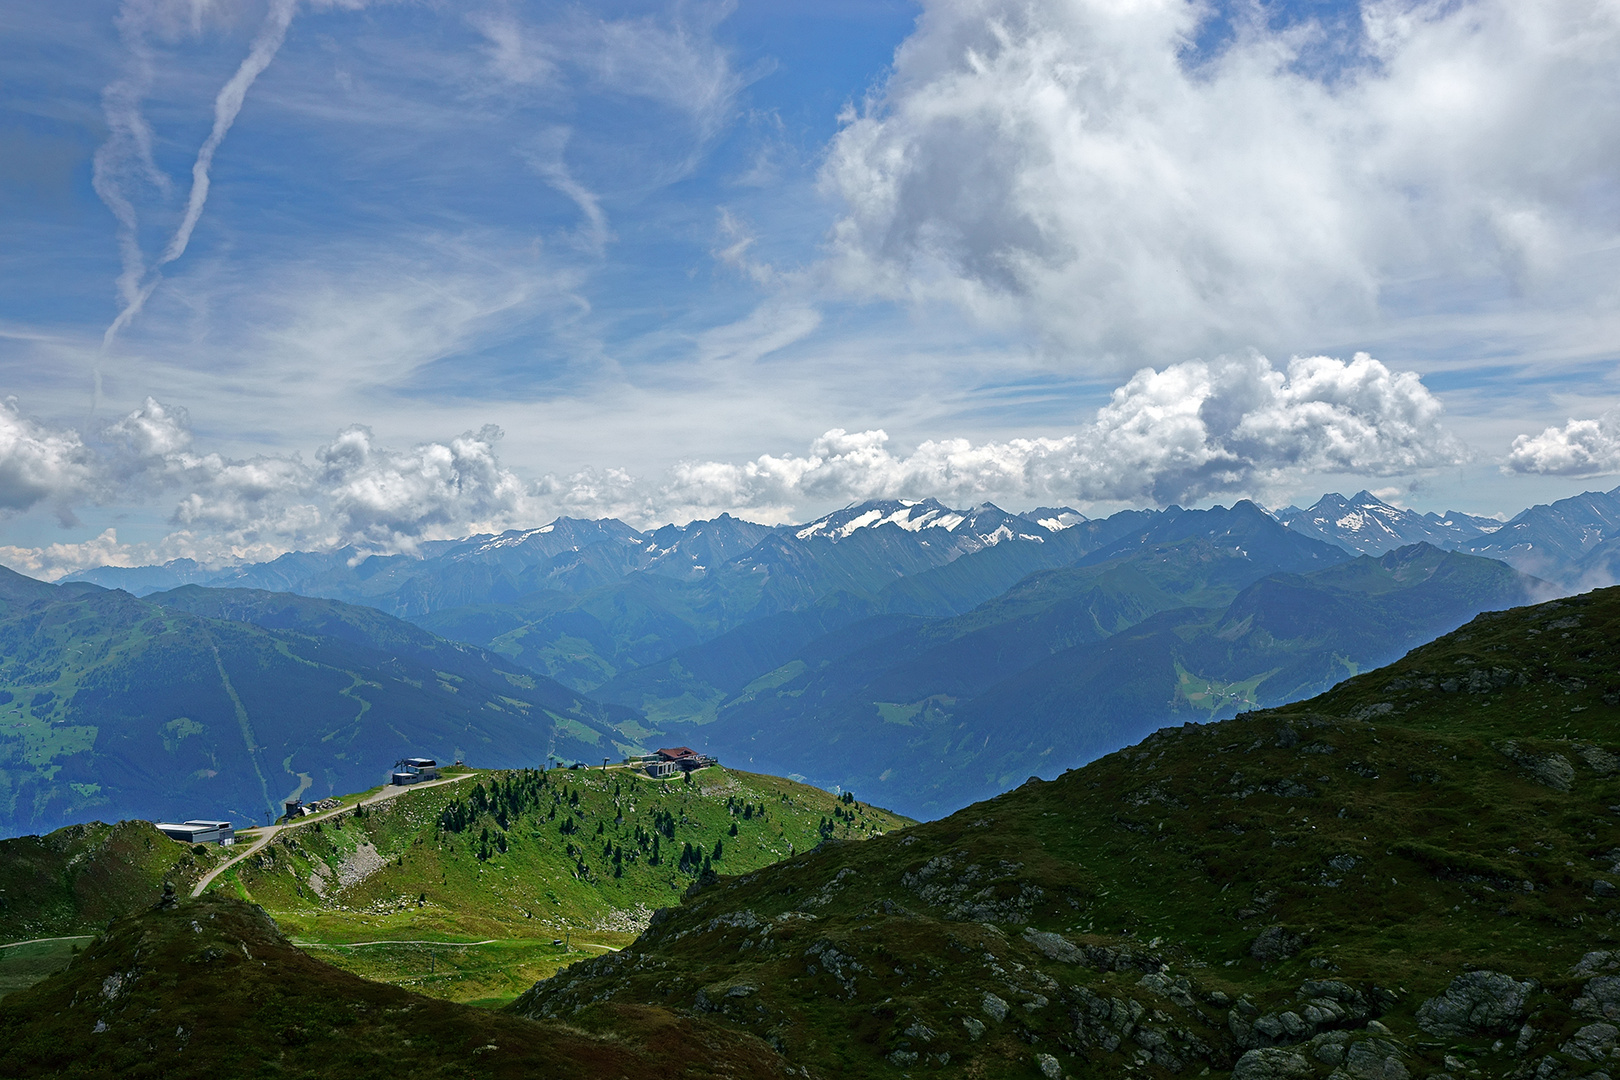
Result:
<point x="1054" y="946"/>
<point x="1272" y="1063"/>
<point x="1604" y="888"/>
<point x="1601" y="998"/>
<point x="1049" y="1066"/>
<point x="1598" y="759"/>
<point x="1375" y="1059"/>
<point x="903" y="1057"/>
<point x="994" y="1007"/>
<point x="1275" y="943"/>
<point x="1477" y="1003"/>
<point x="1328" y="1047"/>
<point x="975" y="1028"/>
<point x="1594" y="1042"/>
<point x="1594" y="962"/>
<point x="1553" y="770"/>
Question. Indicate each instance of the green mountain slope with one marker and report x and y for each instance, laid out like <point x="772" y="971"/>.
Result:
<point x="212" y="989"/>
<point x="116" y="707"/>
<point x="1415" y="874"/>
<point x="1073" y="663"/>
<point x="524" y="858"/>
<point x="901" y="658"/>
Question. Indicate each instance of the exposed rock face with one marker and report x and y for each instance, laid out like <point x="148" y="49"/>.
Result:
<point x="1477" y="1003"/>
<point x="1553" y="770"/>
<point x="1594" y="1042"/>
<point x="1601" y="998"/>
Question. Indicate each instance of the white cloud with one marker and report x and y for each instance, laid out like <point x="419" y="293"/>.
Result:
<point x="56" y="560"/>
<point x="1189" y="432"/>
<point x="1055" y="163"/>
<point x="41" y="464"/>
<point x="1579" y="448"/>
<point x="1185" y="433"/>
<point x="388" y="499"/>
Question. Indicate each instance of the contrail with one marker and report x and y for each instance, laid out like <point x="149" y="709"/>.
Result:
<point x="226" y="106"/>
<point x="129" y="144"/>
<point x="132" y="138"/>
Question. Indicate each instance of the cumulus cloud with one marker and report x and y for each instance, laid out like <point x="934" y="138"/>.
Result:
<point x="390" y="498"/>
<point x="1188" y="432"/>
<point x="1062" y="163"/>
<point x="356" y="492"/>
<point x="1578" y="448"/>
<point x="41" y="464"/>
<point x="57" y="560"/>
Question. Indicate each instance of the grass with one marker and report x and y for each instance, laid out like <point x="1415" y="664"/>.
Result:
<point x="23" y="964"/>
<point x="483" y="973"/>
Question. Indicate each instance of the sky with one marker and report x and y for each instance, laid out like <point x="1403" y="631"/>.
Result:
<point x="292" y="274"/>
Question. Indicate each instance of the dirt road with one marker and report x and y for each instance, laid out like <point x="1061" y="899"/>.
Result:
<point x="268" y="833"/>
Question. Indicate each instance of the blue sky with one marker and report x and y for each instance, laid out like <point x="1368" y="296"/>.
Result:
<point x="467" y="266"/>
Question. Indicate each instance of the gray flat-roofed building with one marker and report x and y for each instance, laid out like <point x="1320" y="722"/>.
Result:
<point x="199" y="832"/>
<point x="413" y="770"/>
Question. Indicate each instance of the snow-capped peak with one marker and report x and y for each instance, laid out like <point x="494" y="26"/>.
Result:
<point x="908" y="514"/>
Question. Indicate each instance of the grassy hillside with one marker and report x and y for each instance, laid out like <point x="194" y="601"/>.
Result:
<point x="211" y="989"/>
<point x="1416" y="874"/>
<point x="522" y="859"/>
<point x="75" y="879"/>
<point x="115" y="707"/>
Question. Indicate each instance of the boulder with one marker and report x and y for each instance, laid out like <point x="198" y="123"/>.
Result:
<point x="1054" y="946"/>
<point x="1477" y="1003"/>
<point x="1049" y="1066"/>
<point x="1594" y="962"/>
<point x="994" y="1007"/>
<point x="1375" y="1059"/>
<point x="1272" y="1063"/>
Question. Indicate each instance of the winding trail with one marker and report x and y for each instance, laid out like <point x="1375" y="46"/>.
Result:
<point x="269" y="832"/>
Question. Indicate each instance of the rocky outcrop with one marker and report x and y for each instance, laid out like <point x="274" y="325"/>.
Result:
<point x="1276" y="943"/>
<point x="1477" y="1003"/>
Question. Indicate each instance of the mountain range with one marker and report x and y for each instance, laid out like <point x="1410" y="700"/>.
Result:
<point x="921" y="654"/>
<point x="199" y="703"/>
